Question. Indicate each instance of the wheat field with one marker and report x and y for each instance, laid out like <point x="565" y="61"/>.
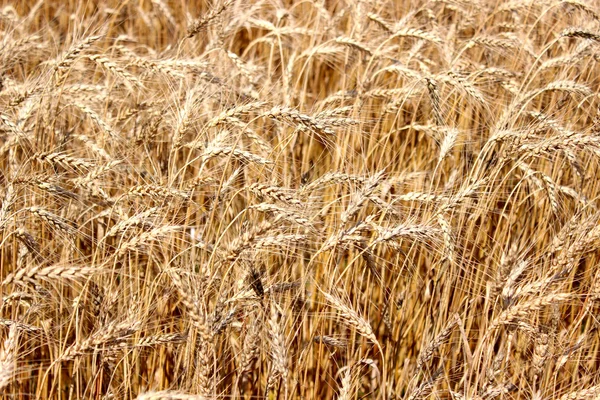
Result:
<point x="300" y="199"/>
